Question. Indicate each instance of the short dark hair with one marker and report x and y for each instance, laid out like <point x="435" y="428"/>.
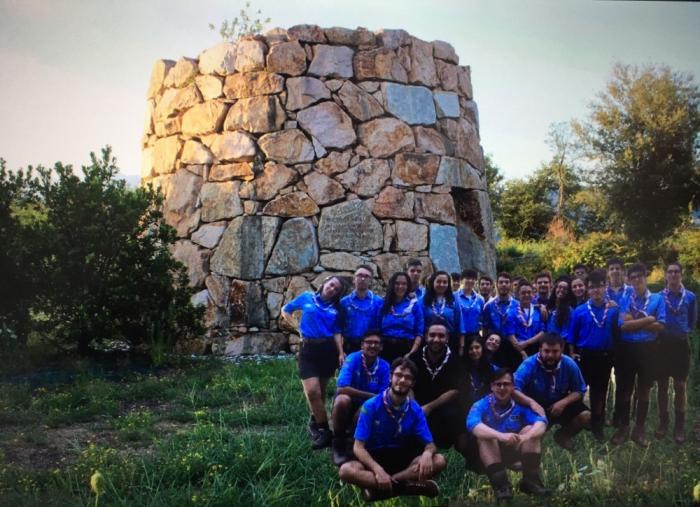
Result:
<point x="454" y="276"/>
<point x="523" y="282"/>
<point x="503" y="274"/>
<point x="552" y="339"/>
<point x="485" y="277"/>
<point x="413" y="262"/>
<point x="674" y="263"/>
<point x="367" y="267"/>
<point x="580" y="265"/>
<point x="403" y="362"/>
<point x="615" y="261"/>
<point x="372" y="332"/>
<point x="637" y="267"/>
<point x="436" y="320"/>
<point x="500" y="373"/>
<point x="469" y="273"/>
<point x="597" y="277"/>
<point x="543" y="274"/>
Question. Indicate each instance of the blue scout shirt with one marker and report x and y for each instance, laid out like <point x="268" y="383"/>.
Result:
<point x="494" y="315"/>
<point x="546" y="387"/>
<point x="378" y="429"/>
<point x="593" y="332"/>
<point x="509" y="419"/>
<point x="478" y="387"/>
<point x="516" y="323"/>
<point x="359" y="315"/>
<point x="471" y="307"/>
<point x="419" y="292"/>
<point x="649" y="304"/>
<point x="553" y="328"/>
<point x="619" y="294"/>
<point x="353" y="374"/>
<point x="681" y="312"/>
<point x="319" y="319"/>
<point x="449" y="312"/>
<point x="404" y="320"/>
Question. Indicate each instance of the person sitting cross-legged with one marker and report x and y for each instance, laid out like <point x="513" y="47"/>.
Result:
<point x="363" y="375"/>
<point x="394" y="450"/>
<point x="506" y="433"/>
<point x="555" y="381"/>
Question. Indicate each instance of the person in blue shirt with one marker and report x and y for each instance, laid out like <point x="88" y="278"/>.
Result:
<point x="471" y="304"/>
<point x="617" y="288"/>
<point x="479" y="369"/>
<point x="554" y="381"/>
<point x="543" y="285"/>
<point x="363" y="375"/>
<point x="590" y="340"/>
<point x="507" y="432"/>
<point x="438" y="303"/>
<point x="578" y="290"/>
<point x="561" y="303"/>
<point x="486" y="288"/>
<point x="493" y="318"/>
<point x="414" y="270"/>
<point x="525" y="326"/>
<point x="393" y="446"/>
<point x="580" y="271"/>
<point x="673" y="359"/>
<point x="642" y="317"/>
<point x="359" y="310"/>
<point x="401" y="319"/>
<point x="320" y="352"/>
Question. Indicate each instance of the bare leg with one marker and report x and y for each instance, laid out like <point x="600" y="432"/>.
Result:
<point x="354" y="472"/>
<point x="341" y="416"/>
<point x="411" y="473"/>
<point x="489" y="451"/>
<point x="314" y="392"/>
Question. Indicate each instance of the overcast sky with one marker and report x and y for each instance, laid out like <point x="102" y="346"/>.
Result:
<point x="74" y="73"/>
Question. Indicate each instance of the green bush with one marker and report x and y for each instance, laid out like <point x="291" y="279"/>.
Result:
<point x="523" y="257"/>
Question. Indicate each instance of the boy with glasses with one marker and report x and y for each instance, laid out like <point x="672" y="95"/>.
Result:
<point x="359" y="310"/>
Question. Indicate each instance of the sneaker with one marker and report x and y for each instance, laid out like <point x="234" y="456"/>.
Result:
<point x="532" y="487"/>
<point x="340" y="455"/>
<point x="563" y="440"/>
<point x="503" y="493"/>
<point x="417" y="488"/>
<point x="639" y="437"/>
<point x="374" y="495"/>
<point x="620" y="436"/>
<point x="322" y="439"/>
<point x="313" y="427"/>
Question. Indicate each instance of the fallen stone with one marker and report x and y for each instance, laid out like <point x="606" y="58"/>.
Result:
<point x="165" y="153"/>
<point x="273" y="178"/>
<point x="432" y="141"/>
<point x="349" y="226"/>
<point x="220" y="201"/>
<point x="360" y="104"/>
<point x="208" y="235"/>
<point x="393" y="203"/>
<point x="195" y="152"/>
<point x="256" y="115"/>
<point x="335" y="163"/>
<point x="219" y="59"/>
<point x="231" y="146"/>
<point x="250" y="55"/>
<point x="446" y="104"/>
<point x="294" y="204"/>
<point x="412" y="104"/>
<point x="181" y="74"/>
<point x="385" y="136"/>
<point x="307" y="33"/>
<point x="195" y="259"/>
<point x="287" y="146"/>
<point x="204" y="118"/>
<point x="366" y="178"/>
<point x="411" y="237"/>
<point x="296" y="250"/>
<point x="244" y="247"/>
<point x="209" y="86"/>
<point x="456" y="172"/>
<point x="422" y="64"/>
<point x="252" y="84"/>
<point x="225" y="172"/>
<point x="435" y="207"/>
<point x="381" y="63"/>
<point x="332" y="61"/>
<point x="323" y="189"/>
<point x="158" y="73"/>
<point x="415" y="169"/>
<point x="328" y="123"/>
<point x="304" y="91"/>
<point x="287" y="58"/>
<point x="443" y="248"/>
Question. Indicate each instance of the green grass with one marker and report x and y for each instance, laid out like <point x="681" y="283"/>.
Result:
<point x="221" y="434"/>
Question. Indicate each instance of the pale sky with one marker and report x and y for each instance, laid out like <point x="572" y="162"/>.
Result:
<point x="74" y="73"/>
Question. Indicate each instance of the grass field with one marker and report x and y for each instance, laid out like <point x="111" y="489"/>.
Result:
<point x="223" y="434"/>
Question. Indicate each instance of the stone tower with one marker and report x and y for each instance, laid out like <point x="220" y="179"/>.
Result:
<point x="304" y="152"/>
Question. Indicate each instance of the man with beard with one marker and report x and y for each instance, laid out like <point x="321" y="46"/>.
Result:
<point x="439" y="381"/>
<point x="525" y="326"/>
<point x="394" y="450"/>
<point x="554" y="381"/>
<point x="363" y="375"/>
<point x="359" y="310"/>
<point x="507" y="432"/>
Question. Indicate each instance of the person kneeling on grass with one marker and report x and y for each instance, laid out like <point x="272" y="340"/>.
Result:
<point x="507" y="433"/>
<point x="394" y="450"/>
<point x="363" y="375"/>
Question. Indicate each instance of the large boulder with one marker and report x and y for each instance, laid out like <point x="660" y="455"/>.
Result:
<point x="305" y="91"/>
<point x="443" y="248"/>
<point x="287" y="146"/>
<point x="287" y="58"/>
<point x="256" y="115"/>
<point x="328" y="123"/>
<point x="366" y="178"/>
<point x="332" y="61"/>
<point x="349" y="226"/>
<point x="385" y="136"/>
<point x="220" y="201"/>
<point x="412" y="104"/>
<point x="245" y="246"/>
<point x="296" y="250"/>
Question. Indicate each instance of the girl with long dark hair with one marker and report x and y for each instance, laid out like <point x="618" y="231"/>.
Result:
<point x="401" y="319"/>
<point x="439" y="303"/>
<point x="563" y="302"/>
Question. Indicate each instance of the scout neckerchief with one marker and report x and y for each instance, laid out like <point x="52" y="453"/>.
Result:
<point x="319" y="302"/>
<point x="441" y="307"/>
<point x="369" y="297"/>
<point x="403" y="409"/>
<point x="600" y="323"/>
<point x="551" y="371"/>
<point x="369" y="373"/>
<point x="610" y="293"/>
<point x="434" y="372"/>
<point x="677" y="309"/>
<point x="471" y="299"/>
<point x="406" y="311"/>
<point x="636" y="312"/>
<point x="521" y="316"/>
<point x="500" y="416"/>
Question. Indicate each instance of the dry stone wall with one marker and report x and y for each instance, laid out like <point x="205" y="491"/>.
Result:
<point x="304" y="152"/>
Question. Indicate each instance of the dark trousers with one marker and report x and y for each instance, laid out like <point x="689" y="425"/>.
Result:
<point x="596" y="366"/>
<point x="634" y="361"/>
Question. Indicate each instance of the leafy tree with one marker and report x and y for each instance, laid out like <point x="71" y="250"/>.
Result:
<point x="640" y="135"/>
<point x="106" y="271"/>
<point x="494" y="183"/>
<point x="526" y="209"/>
<point x="231" y="30"/>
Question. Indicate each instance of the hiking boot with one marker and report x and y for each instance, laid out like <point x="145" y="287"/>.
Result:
<point x="417" y="488"/>
<point x="502" y="493"/>
<point x="340" y="455"/>
<point x="533" y="487"/>
<point x="563" y="440"/>
<point x="322" y="439"/>
<point x="374" y="495"/>
<point x="620" y="436"/>
<point x="639" y="437"/>
<point x="313" y="427"/>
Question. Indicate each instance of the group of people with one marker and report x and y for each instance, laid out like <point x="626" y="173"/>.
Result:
<point x="486" y="370"/>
